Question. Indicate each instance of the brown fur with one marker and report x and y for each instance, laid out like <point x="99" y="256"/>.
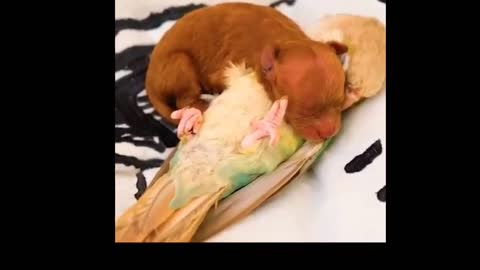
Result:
<point x="190" y="59"/>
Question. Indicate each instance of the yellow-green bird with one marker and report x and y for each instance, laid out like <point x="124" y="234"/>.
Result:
<point x="226" y="154"/>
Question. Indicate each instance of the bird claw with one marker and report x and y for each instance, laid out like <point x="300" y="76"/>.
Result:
<point x="268" y="126"/>
<point x="190" y="121"/>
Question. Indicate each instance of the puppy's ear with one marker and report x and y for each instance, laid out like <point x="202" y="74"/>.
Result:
<point x="268" y="60"/>
<point x="339" y="48"/>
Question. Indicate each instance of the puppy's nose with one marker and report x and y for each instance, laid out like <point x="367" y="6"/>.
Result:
<point x="327" y="131"/>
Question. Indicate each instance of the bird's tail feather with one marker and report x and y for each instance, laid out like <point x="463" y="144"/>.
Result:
<point x="152" y="219"/>
<point x="183" y="224"/>
<point x="147" y="213"/>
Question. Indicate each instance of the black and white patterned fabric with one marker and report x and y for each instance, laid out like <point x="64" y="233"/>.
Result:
<point x="143" y="140"/>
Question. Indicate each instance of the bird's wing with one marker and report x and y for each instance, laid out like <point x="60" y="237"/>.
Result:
<point x="245" y="200"/>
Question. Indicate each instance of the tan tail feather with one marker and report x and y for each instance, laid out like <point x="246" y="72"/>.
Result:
<point x="144" y="216"/>
<point x="164" y="168"/>
<point x="182" y="225"/>
<point x="250" y="197"/>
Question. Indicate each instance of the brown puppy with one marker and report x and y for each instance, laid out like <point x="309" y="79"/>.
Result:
<point x="191" y="57"/>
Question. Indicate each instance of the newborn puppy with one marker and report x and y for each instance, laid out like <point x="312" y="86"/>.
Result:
<point x="191" y="57"/>
<point x="366" y="40"/>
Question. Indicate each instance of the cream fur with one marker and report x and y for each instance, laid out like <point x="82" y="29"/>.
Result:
<point x="366" y="39"/>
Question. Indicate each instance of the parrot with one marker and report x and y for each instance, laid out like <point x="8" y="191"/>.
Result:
<point x="226" y="154"/>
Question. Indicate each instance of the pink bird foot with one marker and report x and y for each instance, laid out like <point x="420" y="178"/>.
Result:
<point x="190" y="121"/>
<point x="268" y="126"/>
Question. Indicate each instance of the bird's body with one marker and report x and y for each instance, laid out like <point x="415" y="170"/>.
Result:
<point x="214" y="159"/>
<point x="210" y="165"/>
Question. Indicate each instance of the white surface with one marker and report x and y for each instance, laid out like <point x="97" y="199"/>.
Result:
<point x="325" y="204"/>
